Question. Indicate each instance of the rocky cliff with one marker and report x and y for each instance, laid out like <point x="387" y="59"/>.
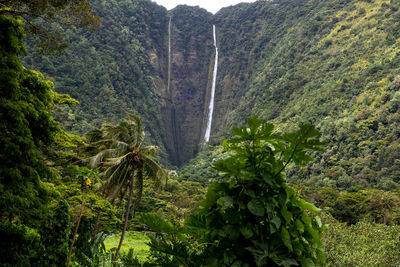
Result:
<point x="182" y="105"/>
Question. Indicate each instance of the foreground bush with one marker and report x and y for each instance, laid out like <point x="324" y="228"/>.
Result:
<point x="251" y="218"/>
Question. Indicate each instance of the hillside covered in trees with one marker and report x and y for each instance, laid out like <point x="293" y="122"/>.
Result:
<point x="332" y="63"/>
<point x="104" y="109"/>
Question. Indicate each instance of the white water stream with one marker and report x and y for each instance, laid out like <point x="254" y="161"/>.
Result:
<point x="211" y="105"/>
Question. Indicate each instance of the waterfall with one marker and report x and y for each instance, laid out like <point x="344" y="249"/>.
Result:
<point x="211" y="105"/>
<point x="169" y="53"/>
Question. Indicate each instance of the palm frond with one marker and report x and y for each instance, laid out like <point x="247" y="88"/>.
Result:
<point x="117" y="160"/>
<point x="114" y="174"/>
<point x="97" y="159"/>
<point x="138" y="129"/>
<point x="117" y="174"/>
<point x="155" y="172"/>
<point x="149" y="151"/>
<point x="119" y="188"/>
<point x="94" y="135"/>
<point x="120" y="145"/>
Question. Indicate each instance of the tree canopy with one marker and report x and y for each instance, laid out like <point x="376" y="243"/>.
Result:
<point x="40" y="15"/>
<point x="26" y="126"/>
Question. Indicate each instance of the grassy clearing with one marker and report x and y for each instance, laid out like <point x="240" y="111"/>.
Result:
<point x="135" y="240"/>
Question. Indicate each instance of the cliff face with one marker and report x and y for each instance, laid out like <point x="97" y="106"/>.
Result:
<point x="191" y="51"/>
<point x="182" y="105"/>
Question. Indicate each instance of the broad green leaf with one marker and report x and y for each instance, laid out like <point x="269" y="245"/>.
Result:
<point x="227" y="201"/>
<point x="276" y="221"/>
<point x="306" y="219"/>
<point x="309" y="206"/>
<point x="282" y="197"/>
<point x="286" y="239"/>
<point x="318" y="220"/>
<point x="289" y="262"/>
<point x="156" y="223"/>
<point x="266" y="131"/>
<point x="250" y="193"/>
<point x="254" y="123"/>
<point x="246" y="231"/>
<point x="228" y="257"/>
<point x="269" y="207"/>
<point x="286" y="214"/>
<point x="255" y="206"/>
<point x="272" y="228"/>
<point x="300" y="226"/>
<point x="313" y="233"/>
<point x="307" y="263"/>
<point x="237" y="264"/>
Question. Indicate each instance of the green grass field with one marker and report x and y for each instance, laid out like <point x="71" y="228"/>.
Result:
<point x="135" y="240"/>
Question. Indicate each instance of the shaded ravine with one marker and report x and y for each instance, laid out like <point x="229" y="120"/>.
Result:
<point x="173" y="119"/>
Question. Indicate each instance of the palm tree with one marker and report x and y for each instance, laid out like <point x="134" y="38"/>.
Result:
<point x="124" y="158"/>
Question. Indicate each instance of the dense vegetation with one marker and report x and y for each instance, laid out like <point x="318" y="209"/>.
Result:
<point x="332" y="63"/>
<point x="107" y="69"/>
<point x="251" y="218"/>
<point x="255" y="199"/>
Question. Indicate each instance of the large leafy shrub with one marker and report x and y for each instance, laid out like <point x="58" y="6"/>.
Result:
<point x="252" y="217"/>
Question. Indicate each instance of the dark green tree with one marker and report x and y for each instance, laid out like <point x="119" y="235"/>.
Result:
<point x="26" y="126"/>
<point x="252" y="217"/>
<point x="54" y="234"/>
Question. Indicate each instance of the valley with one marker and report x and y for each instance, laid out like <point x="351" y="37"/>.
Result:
<point x="330" y="63"/>
<point x="191" y="131"/>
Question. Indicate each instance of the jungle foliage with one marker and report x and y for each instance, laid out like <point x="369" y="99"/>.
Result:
<point x="252" y="218"/>
<point x="39" y="18"/>
<point x="333" y="63"/>
<point x="107" y="69"/>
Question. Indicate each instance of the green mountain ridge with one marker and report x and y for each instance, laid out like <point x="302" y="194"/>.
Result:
<point x="332" y="63"/>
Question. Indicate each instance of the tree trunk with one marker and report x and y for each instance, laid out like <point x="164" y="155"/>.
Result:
<point x="96" y="226"/>
<point x="77" y="226"/>
<point x="126" y="217"/>
<point x="139" y="192"/>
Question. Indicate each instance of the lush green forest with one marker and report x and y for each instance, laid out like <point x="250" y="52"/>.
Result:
<point x="101" y="128"/>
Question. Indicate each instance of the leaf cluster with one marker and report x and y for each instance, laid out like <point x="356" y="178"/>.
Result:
<point x="39" y="17"/>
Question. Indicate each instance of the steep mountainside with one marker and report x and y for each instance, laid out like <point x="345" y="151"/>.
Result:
<point x="331" y="62"/>
<point x="109" y="70"/>
<point x="123" y="67"/>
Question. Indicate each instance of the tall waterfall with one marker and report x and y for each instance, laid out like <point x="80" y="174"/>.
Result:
<point x="169" y="53"/>
<point x="211" y="105"/>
